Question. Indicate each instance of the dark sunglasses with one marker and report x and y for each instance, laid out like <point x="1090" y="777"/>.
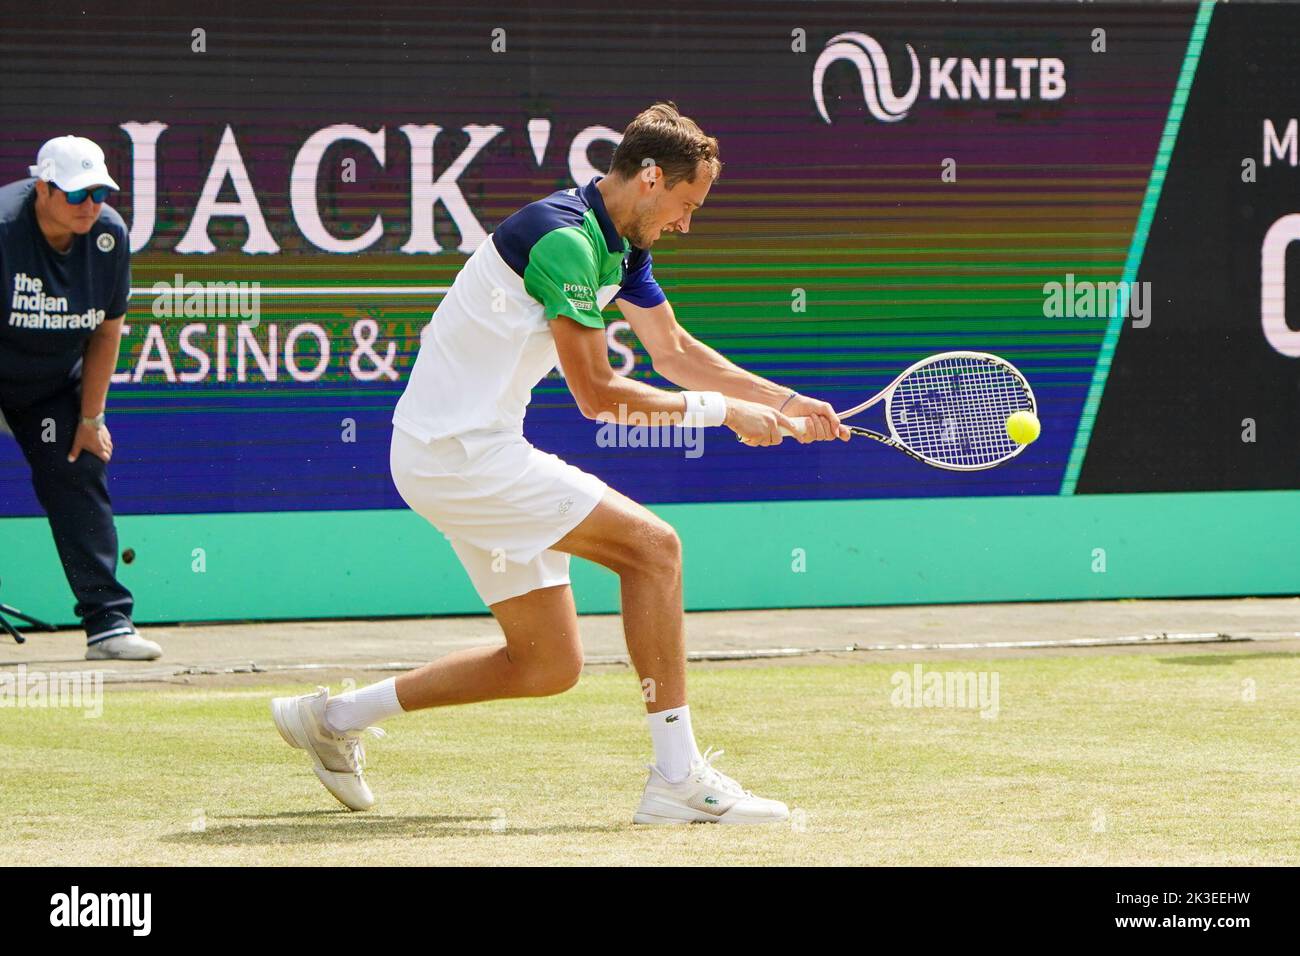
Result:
<point x="78" y="196"/>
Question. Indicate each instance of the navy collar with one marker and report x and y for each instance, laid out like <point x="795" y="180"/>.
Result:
<point x="591" y="195"/>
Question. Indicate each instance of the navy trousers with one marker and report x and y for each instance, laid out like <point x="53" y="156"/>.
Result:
<point x="75" y="498"/>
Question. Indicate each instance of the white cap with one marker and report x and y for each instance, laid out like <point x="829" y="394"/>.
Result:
<point x="72" y="163"/>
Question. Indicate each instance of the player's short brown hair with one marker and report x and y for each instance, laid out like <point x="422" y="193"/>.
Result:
<point x="675" y="143"/>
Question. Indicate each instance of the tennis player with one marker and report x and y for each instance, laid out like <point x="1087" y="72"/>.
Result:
<point x="514" y="514"/>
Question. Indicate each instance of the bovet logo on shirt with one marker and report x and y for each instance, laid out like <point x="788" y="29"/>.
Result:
<point x="105" y="242"/>
<point x="585" y="298"/>
<point x="565" y="505"/>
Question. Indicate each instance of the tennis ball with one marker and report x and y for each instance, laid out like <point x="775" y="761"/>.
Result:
<point x="1023" y="427"/>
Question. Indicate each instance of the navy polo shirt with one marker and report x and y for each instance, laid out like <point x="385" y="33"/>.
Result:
<point x="53" y="301"/>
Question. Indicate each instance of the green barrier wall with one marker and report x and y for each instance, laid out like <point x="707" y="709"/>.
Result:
<point x="918" y="551"/>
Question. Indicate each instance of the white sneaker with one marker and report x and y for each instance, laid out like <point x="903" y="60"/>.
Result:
<point x="338" y="758"/>
<point x="123" y="647"/>
<point x="706" y="796"/>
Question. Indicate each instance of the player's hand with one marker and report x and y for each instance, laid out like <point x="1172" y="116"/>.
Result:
<point x="97" y="441"/>
<point x="756" y="424"/>
<point x="823" y="423"/>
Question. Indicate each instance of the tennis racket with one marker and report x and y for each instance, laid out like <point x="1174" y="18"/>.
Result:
<point x="950" y="411"/>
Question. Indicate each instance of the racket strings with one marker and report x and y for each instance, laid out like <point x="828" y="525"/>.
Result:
<point x="955" y="410"/>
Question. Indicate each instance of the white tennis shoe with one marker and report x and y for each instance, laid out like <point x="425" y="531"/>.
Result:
<point x="338" y="759"/>
<point x="707" y="795"/>
<point x="129" y="646"/>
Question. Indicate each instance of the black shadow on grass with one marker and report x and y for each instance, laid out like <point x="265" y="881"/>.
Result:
<point x="1209" y="660"/>
<point x="340" y="826"/>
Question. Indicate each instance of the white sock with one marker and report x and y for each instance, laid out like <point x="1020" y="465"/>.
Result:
<point x="674" y="742"/>
<point x="359" y="709"/>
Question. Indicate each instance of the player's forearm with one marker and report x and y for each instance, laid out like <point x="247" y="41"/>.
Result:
<point x="618" y="397"/>
<point x="98" y="364"/>
<point x="697" y="366"/>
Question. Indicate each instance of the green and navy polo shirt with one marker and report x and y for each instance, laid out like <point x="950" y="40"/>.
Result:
<point x="490" y="342"/>
<point x="571" y="257"/>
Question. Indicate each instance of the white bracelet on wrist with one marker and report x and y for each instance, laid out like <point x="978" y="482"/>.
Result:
<point x="703" y="409"/>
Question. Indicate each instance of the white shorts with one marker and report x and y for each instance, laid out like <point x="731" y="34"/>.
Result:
<point x="500" y="502"/>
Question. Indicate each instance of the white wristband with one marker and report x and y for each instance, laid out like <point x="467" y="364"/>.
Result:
<point x="704" y="408"/>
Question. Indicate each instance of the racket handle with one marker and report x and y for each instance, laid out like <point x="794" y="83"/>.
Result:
<point x="800" y="423"/>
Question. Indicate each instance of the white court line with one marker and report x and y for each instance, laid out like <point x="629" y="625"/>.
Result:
<point x="310" y="290"/>
<point x="165" y="674"/>
<point x="1209" y="637"/>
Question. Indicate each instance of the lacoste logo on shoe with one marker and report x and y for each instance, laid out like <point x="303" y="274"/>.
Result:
<point x="710" y="800"/>
<point x="670" y="718"/>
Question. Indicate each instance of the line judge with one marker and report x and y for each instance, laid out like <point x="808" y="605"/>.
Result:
<point x="65" y="261"/>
